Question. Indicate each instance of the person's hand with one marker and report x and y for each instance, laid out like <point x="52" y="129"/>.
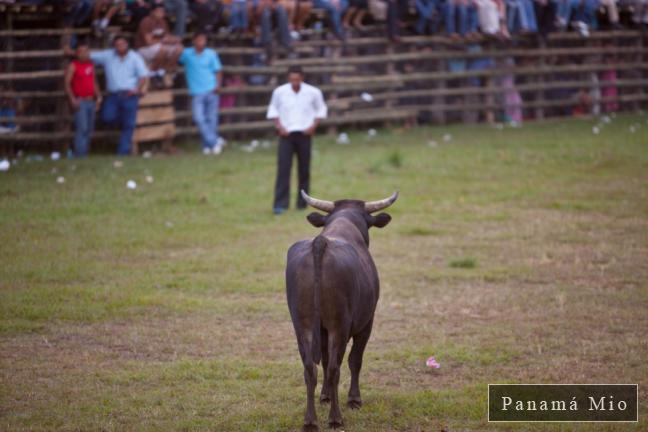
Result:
<point x="282" y="131"/>
<point x="217" y="90"/>
<point x="74" y="103"/>
<point x="98" y="103"/>
<point x="310" y="131"/>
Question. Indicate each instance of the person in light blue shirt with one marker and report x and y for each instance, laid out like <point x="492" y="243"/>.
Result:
<point x="204" y="77"/>
<point x="126" y="81"/>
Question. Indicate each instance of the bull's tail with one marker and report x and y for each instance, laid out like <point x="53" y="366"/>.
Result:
<point x="319" y="247"/>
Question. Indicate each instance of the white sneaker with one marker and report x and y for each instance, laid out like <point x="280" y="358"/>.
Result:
<point x="221" y="142"/>
<point x="207" y="151"/>
<point x="217" y="150"/>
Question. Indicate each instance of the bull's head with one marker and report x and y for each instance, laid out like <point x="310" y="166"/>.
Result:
<point x="356" y="211"/>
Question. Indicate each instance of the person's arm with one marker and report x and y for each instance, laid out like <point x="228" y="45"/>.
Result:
<point x="99" y="57"/>
<point x="219" y="81"/>
<point x="273" y="114"/>
<point x="321" y="111"/>
<point x="142" y="86"/>
<point x="69" y="73"/>
<point x="142" y="73"/>
<point x="97" y="92"/>
<point x="218" y="69"/>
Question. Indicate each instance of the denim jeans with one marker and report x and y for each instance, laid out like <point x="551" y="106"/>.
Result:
<point x="7" y="115"/>
<point x="282" y="24"/>
<point x="428" y="11"/>
<point x="84" y="119"/>
<point x="467" y="16"/>
<point x="520" y="15"/>
<point x="335" y="14"/>
<point x="79" y="13"/>
<point x="584" y="12"/>
<point x="238" y="15"/>
<point x="204" y="108"/>
<point x="119" y="107"/>
<point x="180" y="9"/>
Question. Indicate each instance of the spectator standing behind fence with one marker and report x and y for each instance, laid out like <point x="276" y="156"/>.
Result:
<point x="84" y="96"/>
<point x="204" y="78"/>
<point x="297" y="108"/>
<point x="126" y="80"/>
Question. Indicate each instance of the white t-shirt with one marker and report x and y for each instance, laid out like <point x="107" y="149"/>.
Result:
<point x="297" y="111"/>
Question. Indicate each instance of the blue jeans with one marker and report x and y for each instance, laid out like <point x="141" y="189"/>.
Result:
<point x="520" y="15"/>
<point x="585" y="11"/>
<point x="467" y="18"/>
<point x="84" y="119"/>
<point x="119" y="107"/>
<point x="238" y="15"/>
<point x="179" y="8"/>
<point x="428" y="11"/>
<point x="78" y="13"/>
<point x="7" y="116"/>
<point x="204" y="108"/>
<point x="335" y="14"/>
<point x="282" y="24"/>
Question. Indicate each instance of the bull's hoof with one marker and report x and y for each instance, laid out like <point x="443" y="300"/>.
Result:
<point x="354" y="403"/>
<point x="324" y="398"/>
<point x="334" y="424"/>
<point x="310" y="428"/>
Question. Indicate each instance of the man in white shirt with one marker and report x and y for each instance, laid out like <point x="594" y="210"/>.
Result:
<point x="296" y="108"/>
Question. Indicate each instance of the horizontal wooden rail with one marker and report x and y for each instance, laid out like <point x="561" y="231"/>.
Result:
<point x="516" y="71"/>
<point x="358" y="116"/>
<point x="382" y="58"/>
<point x="395" y="78"/>
<point x="461" y="55"/>
<point x="342" y="87"/>
<point x="344" y="103"/>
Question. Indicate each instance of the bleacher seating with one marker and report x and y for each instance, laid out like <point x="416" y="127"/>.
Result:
<point x="367" y="80"/>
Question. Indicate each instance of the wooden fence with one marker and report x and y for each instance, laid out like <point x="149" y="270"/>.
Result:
<point x="366" y="80"/>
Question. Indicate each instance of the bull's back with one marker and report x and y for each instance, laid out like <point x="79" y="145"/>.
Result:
<point x="349" y="285"/>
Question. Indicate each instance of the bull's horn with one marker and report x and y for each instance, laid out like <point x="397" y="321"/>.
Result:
<point x="374" y="206"/>
<point x="326" y="206"/>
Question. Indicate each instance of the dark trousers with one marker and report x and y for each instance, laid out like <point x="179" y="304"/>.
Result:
<point x="299" y="143"/>
<point x="122" y="108"/>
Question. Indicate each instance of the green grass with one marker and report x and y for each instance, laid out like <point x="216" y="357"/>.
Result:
<point x="467" y="263"/>
<point x="514" y="255"/>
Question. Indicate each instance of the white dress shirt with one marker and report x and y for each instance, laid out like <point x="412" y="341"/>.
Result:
<point x="297" y="111"/>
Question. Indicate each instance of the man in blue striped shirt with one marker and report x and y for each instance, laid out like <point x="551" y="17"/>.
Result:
<point x="126" y="81"/>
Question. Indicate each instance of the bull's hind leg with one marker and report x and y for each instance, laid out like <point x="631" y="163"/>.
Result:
<point x="355" y="364"/>
<point x="336" y="348"/>
<point x="310" y="378"/>
<point x="324" y="396"/>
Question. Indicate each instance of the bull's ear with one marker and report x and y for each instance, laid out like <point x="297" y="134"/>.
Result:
<point x="316" y="219"/>
<point x="381" y="220"/>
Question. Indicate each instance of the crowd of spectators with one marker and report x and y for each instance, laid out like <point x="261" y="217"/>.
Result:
<point x="160" y="25"/>
<point x="289" y="18"/>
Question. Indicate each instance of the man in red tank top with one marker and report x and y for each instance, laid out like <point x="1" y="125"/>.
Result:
<point x="84" y="96"/>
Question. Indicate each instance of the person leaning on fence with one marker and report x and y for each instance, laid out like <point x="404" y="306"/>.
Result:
<point x="84" y="96"/>
<point x="204" y="78"/>
<point x="296" y="108"/>
<point x="126" y="81"/>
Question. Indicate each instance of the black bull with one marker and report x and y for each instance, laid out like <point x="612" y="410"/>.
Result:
<point x="332" y="288"/>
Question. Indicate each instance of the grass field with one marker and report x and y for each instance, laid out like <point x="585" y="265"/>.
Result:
<point x="515" y="255"/>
